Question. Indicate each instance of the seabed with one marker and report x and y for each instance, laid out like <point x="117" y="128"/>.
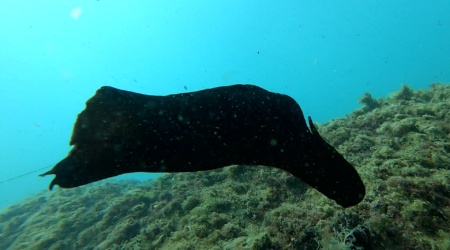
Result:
<point x="400" y="145"/>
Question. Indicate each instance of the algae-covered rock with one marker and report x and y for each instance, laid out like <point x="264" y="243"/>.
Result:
<point x="399" y="144"/>
<point x="368" y="101"/>
<point x="405" y="93"/>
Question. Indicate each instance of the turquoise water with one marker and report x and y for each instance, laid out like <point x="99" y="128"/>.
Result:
<point x="54" y="55"/>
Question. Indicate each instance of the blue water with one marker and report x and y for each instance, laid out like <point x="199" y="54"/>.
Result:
<point x="55" y="54"/>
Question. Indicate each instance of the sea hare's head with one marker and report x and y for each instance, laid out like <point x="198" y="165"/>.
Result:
<point x="330" y="173"/>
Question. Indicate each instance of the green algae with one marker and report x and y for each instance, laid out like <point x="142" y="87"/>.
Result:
<point x="399" y="145"/>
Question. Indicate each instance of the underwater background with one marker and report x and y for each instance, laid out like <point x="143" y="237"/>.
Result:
<point x="327" y="55"/>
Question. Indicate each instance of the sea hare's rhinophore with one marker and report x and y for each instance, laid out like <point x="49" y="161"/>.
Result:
<point x="121" y="132"/>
